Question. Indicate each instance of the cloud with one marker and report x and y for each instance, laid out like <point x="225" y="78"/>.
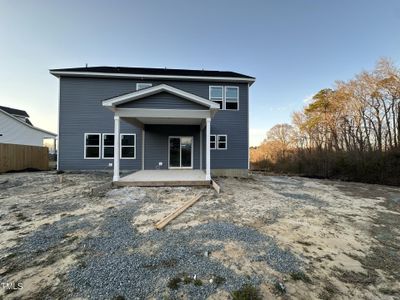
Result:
<point x="257" y="135"/>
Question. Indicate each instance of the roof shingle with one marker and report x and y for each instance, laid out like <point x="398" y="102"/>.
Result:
<point x="154" y="71"/>
<point x="14" y="111"/>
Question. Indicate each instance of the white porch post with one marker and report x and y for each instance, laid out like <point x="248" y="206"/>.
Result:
<point x="201" y="149"/>
<point x="208" y="129"/>
<point x="116" y="148"/>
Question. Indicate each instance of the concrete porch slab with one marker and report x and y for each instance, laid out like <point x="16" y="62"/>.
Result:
<point x="164" y="178"/>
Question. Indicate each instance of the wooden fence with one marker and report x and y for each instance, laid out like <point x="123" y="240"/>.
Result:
<point x="20" y="157"/>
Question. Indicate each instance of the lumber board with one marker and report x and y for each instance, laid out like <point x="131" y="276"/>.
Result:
<point x="164" y="222"/>
<point x="216" y="187"/>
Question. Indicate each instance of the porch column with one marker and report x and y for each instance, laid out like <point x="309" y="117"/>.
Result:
<point x="208" y="158"/>
<point x="116" y="148"/>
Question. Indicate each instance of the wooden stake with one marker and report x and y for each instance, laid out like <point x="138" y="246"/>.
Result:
<point x="216" y="187"/>
<point x="164" y="222"/>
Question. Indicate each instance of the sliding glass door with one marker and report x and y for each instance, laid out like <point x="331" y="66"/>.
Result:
<point x="180" y="152"/>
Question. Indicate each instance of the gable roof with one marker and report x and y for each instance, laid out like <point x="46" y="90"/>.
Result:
<point x="27" y="124"/>
<point x="155" y="90"/>
<point x="138" y="72"/>
<point x="14" y="111"/>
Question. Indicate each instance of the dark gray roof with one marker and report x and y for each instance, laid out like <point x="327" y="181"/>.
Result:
<point x="14" y="111"/>
<point x="155" y="71"/>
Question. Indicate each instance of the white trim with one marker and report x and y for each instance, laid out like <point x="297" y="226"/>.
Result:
<point x="180" y="152"/>
<point x="237" y="101"/>
<point x="125" y="146"/>
<point x="143" y="133"/>
<point x="102" y="145"/>
<point x="215" y="141"/>
<point x="58" y="127"/>
<point x="161" y="113"/>
<point x="147" y="85"/>
<point x="226" y="142"/>
<point x="84" y="145"/>
<point x="208" y="152"/>
<point x="201" y="148"/>
<point x="124" y="75"/>
<point x="116" y="147"/>
<point x="155" y="90"/>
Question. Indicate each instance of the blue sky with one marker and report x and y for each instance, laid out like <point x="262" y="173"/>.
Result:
<point x="293" y="48"/>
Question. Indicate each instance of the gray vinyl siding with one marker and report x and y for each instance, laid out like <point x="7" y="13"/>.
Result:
<point x="157" y="147"/>
<point x="81" y="111"/>
<point x="163" y="100"/>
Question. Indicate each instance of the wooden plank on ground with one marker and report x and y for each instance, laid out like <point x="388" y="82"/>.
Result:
<point x="216" y="187"/>
<point x="164" y="222"/>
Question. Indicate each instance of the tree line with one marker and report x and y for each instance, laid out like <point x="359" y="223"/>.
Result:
<point x="350" y="131"/>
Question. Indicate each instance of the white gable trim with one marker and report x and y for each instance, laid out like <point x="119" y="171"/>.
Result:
<point x="158" y="89"/>
<point x="50" y="134"/>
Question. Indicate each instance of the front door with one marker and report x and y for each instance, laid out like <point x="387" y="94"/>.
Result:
<point x="180" y="152"/>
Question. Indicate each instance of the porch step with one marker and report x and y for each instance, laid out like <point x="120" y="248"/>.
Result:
<point x="163" y="183"/>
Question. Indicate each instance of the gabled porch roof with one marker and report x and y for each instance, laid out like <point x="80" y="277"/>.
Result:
<point x="154" y="111"/>
<point x="158" y="115"/>
<point x="143" y="93"/>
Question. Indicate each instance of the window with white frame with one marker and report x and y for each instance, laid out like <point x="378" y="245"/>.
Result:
<point x="128" y="145"/>
<point x="213" y="141"/>
<point x="231" y="97"/>
<point x="141" y="85"/>
<point x="92" y="145"/>
<point x="217" y="95"/>
<point x="222" y="142"/>
<point x="108" y="145"/>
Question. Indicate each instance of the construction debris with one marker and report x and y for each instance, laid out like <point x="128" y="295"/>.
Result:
<point x="216" y="187"/>
<point x="164" y="222"/>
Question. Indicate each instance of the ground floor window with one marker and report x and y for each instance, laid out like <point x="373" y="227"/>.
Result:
<point x="213" y="141"/>
<point x="222" y="142"/>
<point x="92" y="145"/>
<point x="99" y="145"/>
<point x="108" y="145"/>
<point x="128" y="145"/>
<point x="218" y="141"/>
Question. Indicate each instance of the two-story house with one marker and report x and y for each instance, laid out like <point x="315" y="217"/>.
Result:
<point x="153" y="119"/>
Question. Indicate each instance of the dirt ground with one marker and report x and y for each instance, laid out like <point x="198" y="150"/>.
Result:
<point x="285" y="237"/>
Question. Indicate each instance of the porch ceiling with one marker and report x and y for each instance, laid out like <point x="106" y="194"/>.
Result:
<point x="140" y="116"/>
<point x="168" y="121"/>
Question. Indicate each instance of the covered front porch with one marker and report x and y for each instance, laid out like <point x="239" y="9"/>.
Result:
<point x="164" y="178"/>
<point x="175" y="125"/>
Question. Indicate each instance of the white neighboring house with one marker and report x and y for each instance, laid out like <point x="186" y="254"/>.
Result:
<point x="15" y="128"/>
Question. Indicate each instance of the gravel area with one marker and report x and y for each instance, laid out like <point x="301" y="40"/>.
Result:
<point x="114" y="267"/>
<point x="286" y="237"/>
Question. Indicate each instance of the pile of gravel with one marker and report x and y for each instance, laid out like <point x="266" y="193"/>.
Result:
<point x="114" y="265"/>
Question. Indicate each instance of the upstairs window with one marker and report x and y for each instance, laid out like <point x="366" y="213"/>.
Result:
<point x="108" y="145"/>
<point x="231" y="97"/>
<point x="222" y="142"/>
<point x="128" y="146"/>
<point x="141" y="85"/>
<point x="92" y="145"/>
<point x="217" y="95"/>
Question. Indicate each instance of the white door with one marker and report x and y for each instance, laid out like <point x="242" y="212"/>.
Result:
<point x="180" y="152"/>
